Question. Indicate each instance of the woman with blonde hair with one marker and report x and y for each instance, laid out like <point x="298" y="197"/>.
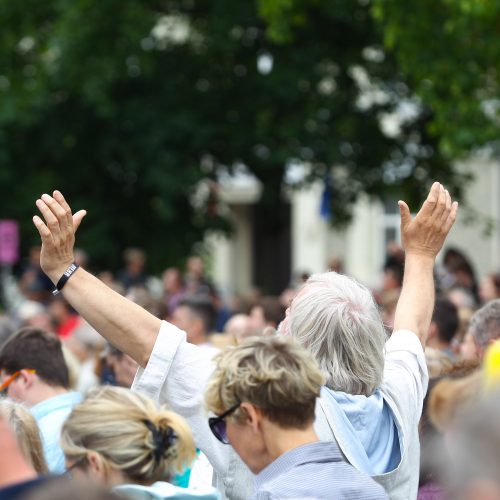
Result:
<point x="124" y="440"/>
<point x="27" y="434"/>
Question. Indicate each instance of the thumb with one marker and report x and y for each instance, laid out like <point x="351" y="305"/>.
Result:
<point x="77" y="219"/>
<point x="404" y="212"/>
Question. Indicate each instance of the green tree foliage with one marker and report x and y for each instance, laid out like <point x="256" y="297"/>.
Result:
<point x="127" y="105"/>
<point x="449" y="52"/>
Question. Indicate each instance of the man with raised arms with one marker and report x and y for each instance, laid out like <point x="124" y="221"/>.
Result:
<point x="371" y="404"/>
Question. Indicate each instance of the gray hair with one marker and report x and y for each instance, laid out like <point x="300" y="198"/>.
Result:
<point x="485" y="323"/>
<point x="337" y="320"/>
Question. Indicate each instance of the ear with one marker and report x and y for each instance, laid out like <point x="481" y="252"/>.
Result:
<point x="96" y="465"/>
<point x="253" y="415"/>
<point x="28" y="379"/>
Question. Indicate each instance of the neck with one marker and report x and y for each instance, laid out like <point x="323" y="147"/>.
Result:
<point x="279" y="441"/>
<point x="43" y="392"/>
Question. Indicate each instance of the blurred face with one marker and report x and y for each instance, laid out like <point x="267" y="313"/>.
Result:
<point x="487" y="290"/>
<point x="256" y="320"/>
<point x="195" y="267"/>
<point x="171" y="280"/>
<point x="124" y="368"/>
<point x="183" y="319"/>
<point x="468" y="348"/>
<point x="247" y="440"/>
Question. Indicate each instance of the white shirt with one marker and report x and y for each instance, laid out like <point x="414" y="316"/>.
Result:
<point x="177" y="373"/>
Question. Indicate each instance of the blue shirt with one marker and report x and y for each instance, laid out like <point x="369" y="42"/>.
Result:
<point x="315" y="471"/>
<point x="50" y="416"/>
<point x="368" y="425"/>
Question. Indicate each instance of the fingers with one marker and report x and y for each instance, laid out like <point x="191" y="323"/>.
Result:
<point x="50" y="219"/>
<point x="404" y="212"/>
<point x="77" y="219"/>
<point x="447" y="210"/>
<point x="43" y="230"/>
<point x="64" y="205"/>
<point x="440" y="207"/>
<point x="432" y="199"/>
<point x="452" y="216"/>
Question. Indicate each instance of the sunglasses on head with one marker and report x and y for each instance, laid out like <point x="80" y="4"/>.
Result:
<point x="5" y="386"/>
<point x="218" y="424"/>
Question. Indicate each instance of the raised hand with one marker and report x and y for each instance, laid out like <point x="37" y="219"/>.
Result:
<point x="425" y="234"/>
<point x="57" y="231"/>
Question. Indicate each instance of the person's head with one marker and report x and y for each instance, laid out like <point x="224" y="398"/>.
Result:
<point x="33" y="361"/>
<point x="475" y="452"/>
<point x="238" y="326"/>
<point x="445" y="321"/>
<point x="196" y="316"/>
<point x="490" y="287"/>
<point x="271" y="385"/>
<point x="195" y="267"/>
<point x="117" y="436"/>
<point x="60" y="310"/>
<point x="34" y="314"/>
<point x="450" y="397"/>
<point x="25" y="428"/>
<point x="393" y="274"/>
<point x="267" y="312"/>
<point x="135" y="260"/>
<point x="123" y="366"/>
<point x="337" y="320"/>
<point x="484" y="326"/>
<point x="173" y="281"/>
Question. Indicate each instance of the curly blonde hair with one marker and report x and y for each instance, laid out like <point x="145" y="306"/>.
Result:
<point x="131" y="433"/>
<point x="274" y="373"/>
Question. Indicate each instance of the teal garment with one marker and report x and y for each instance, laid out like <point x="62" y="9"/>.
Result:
<point x="368" y="425"/>
<point x="182" y="480"/>
<point x="162" y="491"/>
<point x="50" y="416"/>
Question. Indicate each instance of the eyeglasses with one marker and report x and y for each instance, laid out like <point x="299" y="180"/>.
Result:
<point x="218" y="424"/>
<point x="5" y="386"/>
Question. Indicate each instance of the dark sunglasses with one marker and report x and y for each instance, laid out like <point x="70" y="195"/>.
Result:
<point x="218" y="424"/>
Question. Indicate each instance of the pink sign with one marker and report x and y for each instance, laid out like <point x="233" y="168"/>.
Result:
<point x="9" y="242"/>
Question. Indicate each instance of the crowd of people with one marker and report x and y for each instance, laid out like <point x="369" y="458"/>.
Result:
<point x="129" y="386"/>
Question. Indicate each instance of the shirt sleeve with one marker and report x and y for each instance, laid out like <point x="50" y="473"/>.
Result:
<point x="405" y="375"/>
<point x="177" y="374"/>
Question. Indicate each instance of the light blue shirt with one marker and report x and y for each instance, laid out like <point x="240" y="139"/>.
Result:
<point x="368" y="425"/>
<point x="50" y="416"/>
<point x="162" y="490"/>
<point x="315" y="471"/>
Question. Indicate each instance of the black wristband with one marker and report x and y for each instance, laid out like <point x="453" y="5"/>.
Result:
<point x="65" y="277"/>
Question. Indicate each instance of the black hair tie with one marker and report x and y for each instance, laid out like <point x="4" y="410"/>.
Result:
<point x="162" y="440"/>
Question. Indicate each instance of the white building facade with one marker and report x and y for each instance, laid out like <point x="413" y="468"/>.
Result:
<point x="361" y="246"/>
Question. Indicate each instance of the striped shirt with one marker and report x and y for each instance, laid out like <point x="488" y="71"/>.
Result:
<point x="315" y="471"/>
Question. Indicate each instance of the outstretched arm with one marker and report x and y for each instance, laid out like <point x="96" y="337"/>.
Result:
<point x="126" y="325"/>
<point x="423" y="238"/>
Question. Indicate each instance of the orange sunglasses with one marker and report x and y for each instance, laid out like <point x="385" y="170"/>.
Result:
<point x="5" y="385"/>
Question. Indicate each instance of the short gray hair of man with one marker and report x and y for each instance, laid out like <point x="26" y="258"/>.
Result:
<point x="485" y="323"/>
<point x="337" y="320"/>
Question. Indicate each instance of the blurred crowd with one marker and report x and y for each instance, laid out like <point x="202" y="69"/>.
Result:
<point x="69" y="403"/>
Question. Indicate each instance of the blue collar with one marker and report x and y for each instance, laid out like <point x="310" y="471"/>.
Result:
<point x="60" y="402"/>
